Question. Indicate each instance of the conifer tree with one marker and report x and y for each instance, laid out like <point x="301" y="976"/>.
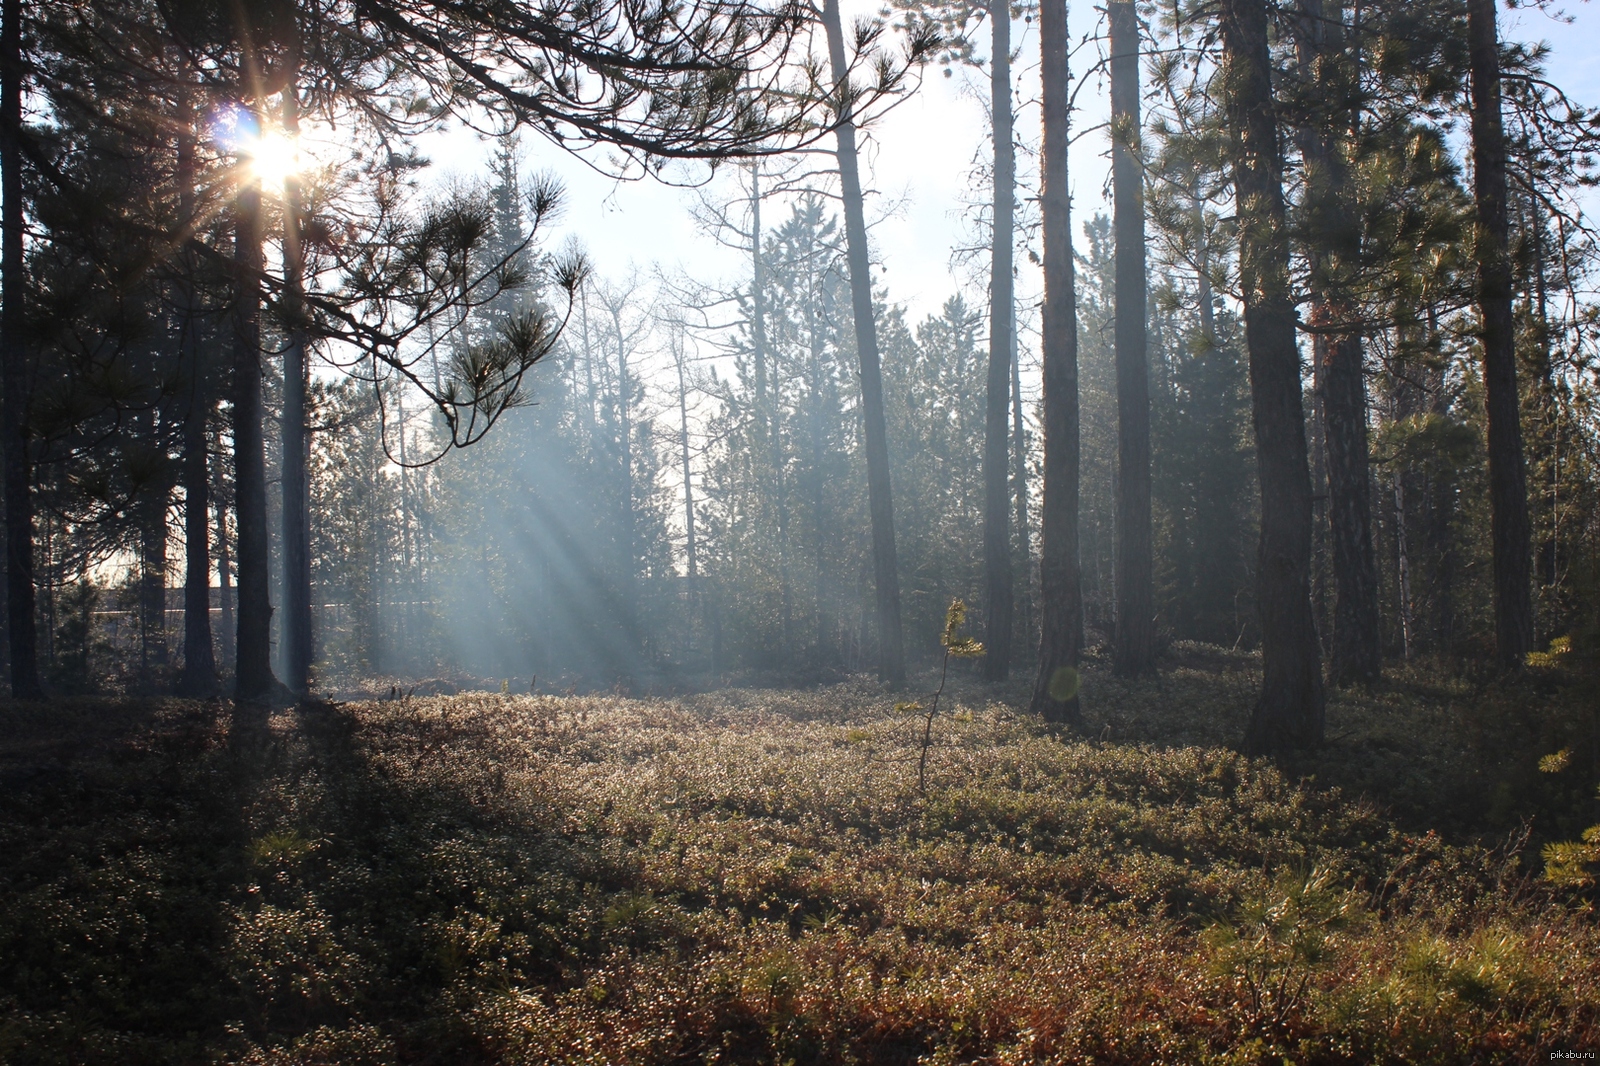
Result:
<point x="1055" y="691"/>
<point x="1289" y="712"/>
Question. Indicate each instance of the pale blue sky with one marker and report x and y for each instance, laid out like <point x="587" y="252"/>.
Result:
<point x="921" y="156"/>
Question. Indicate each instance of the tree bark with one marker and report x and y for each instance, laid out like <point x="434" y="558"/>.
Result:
<point x="253" y="678"/>
<point x="1055" y="690"/>
<point x="1508" y="488"/>
<point x="153" y="581"/>
<point x="1290" y="710"/>
<point x="1356" y="655"/>
<point x="1334" y="242"/>
<point x="297" y="635"/>
<point x="691" y="548"/>
<point x="1133" y="650"/>
<point x="199" y="677"/>
<point x="1023" y="612"/>
<point x="996" y="438"/>
<point x="225" y="613"/>
<point x="21" y="628"/>
<point x="885" y="566"/>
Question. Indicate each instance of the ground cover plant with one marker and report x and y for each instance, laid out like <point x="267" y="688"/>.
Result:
<point x="745" y="876"/>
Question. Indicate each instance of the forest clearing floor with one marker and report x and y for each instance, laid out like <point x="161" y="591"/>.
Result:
<point x="754" y="876"/>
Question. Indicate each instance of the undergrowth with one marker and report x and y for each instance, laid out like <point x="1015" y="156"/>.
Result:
<point x="744" y="877"/>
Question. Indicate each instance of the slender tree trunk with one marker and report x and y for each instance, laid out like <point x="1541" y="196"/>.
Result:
<point x="153" y="585"/>
<point x="1055" y="690"/>
<point x="1319" y="486"/>
<point x="1355" y="651"/>
<point x="1441" y="523"/>
<point x="996" y="438"/>
<point x="253" y="679"/>
<point x="1508" y="488"/>
<point x="885" y="566"/>
<point x="819" y="516"/>
<point x="1402" y="551"/>
<point x="1290" y="710"/>
<point x="226" y="628"/>
<point x="297" y="635"/>
<point x="688" y="484"/>
<point x="199" y="677"/>
<point x="21" y="628"/>
<point x="769" y="426"/>
<point x="630" y="537"/>
<point x="1356" y="654"/>
<point x="1019" y="489"/>
<point x="758" y="296"/>
<point x="1133" y="651"/>
<point x="1548" y="550"/>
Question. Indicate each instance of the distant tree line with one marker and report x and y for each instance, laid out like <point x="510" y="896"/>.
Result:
<point x="1321" y="384"/>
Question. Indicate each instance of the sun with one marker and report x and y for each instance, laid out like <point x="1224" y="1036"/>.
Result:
<point x="274" y="158"/>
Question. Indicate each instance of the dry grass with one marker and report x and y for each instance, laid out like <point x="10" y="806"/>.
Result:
<point x="746" y="876"/>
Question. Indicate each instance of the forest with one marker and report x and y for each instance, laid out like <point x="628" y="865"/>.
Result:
<point x="429" y="640"/>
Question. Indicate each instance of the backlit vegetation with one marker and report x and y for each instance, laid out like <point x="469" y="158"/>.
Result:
<point x="749" y="876"/>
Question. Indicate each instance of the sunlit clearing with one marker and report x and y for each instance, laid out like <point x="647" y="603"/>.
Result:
<point x="274" y="158"/>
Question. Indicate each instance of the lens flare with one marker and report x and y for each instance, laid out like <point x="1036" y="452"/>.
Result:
<point x="274" y="158"/>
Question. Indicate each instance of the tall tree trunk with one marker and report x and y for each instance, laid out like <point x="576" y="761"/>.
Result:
<point x="1133" y="651"/>
<point x="996" y="438"/>
<point x="885" y="566"/>
<point x="1290" y="711"/>
<point x="21" y="629"/>
<point x="1508" y="489"/>
<point x="1356" y="654"/>
<point x="1355" y="651"/>
<point x="297" y="636"/>
<point x="253" y="679"/>
<point x="1055" y="690"/>
<point x="199" y="677"/>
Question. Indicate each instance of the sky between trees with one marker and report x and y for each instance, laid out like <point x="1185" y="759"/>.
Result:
<point x="922" y="157"/>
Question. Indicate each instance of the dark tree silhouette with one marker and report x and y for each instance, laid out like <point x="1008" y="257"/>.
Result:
<point x="1055" y="690"/>
<point x="1508" y="487"/>
<point x="1133" y="651"/>
<point x="885" y="565"/>
<point x="1289" y="712"/>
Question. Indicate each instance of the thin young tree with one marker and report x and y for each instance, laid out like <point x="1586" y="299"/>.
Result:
<point x="998" y="579"/>
<point x="1133" y="650"/>
<point x="1055" y="691"/>
<point x="955" y="20"/>
<point x="1289" y="712"/>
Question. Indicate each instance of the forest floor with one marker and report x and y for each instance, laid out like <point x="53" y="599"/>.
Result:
<point x="754" y="876"/>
